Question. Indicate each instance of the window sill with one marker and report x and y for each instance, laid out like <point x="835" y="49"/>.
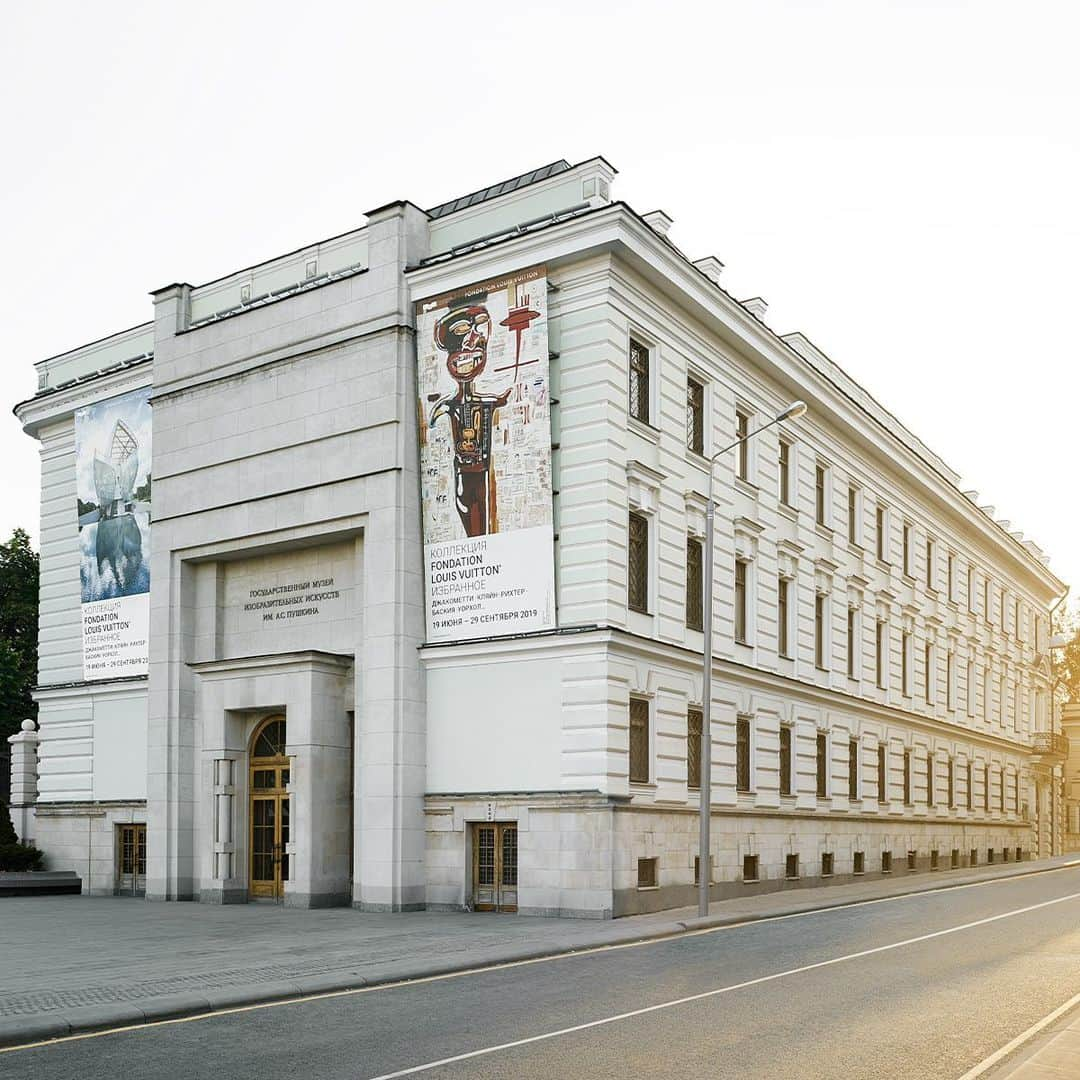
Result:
<point x="788" y="511"/>
<point x="746" y="487"/>
<point x="823" y="530"/>
<point x="648" y="888"/>
<point x="643" y="428"/>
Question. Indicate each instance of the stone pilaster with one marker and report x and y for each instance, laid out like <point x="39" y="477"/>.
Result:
<point x="24" y="778"/>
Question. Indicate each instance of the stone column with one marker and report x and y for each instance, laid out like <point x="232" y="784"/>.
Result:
<point x="24" y="778"/>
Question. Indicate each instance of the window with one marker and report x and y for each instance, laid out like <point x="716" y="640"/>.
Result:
<point x="693" y="748"/>
<point x="950" y="576"/>
<point x="858" y="862"/>
<point x="639" y="741"/>
<point x="907" y="777"/>
<point x="950" y="680"/>
<point x="911" y="857"/>
<point x="988" y="600"/>
<point x="950" y="791"/>
<point x="1003" y="698"/>
<point x="930" y="779"/>
<point x="695" y="416"/>
<point x="697" y="869"/>
<point x="879" y="652"/>
<point x="639" y="381"/>
<point x="931" y="580"/>
<point x="971" y="687"/>
<point x="742" y="754"/>
<point x="1016" y="621"/>
<point x="695" y="556"/>
<point x="986" y="789"/>
<point x="742" y="451"/>
<point x="886" y="862"/>
<point x="907" y="550"/>
<point x="820" y="493"/>
<point x="933" y="859"/>
<point x="853" y="514"/>
<point x="928" y="668"/>
<point x="784" y="487"/>
<point x="783" y="617"/>
<point x="819" y="632"/>
<point x="954" y="859"/>
<point x="969" y="782"/>
<point x="826" y="864"/>
<point x="785" y="760"/>
<point x="1019" y="854"/>
<point x="989" y="855"/>
<point x="905" y="663"/>
<point x="853" y="769"/>
<point x="1001" y="789"/>
<point x="646" y="873"/>
<point x="852" y="640"/>
<point x="791" y="867"/>
<point x="1016" y="801"/>
<point x="740" y="601"/>
<point x="822" y="765"/>
<point x="750" y="868"/>
<point x="974" y="857"/>
<point x="637" y="576"/>
<point x="881" y="523"/>
<point x="882" y="788"/>
<point x="1002" y="609"/>
<point x="970" y="589"/>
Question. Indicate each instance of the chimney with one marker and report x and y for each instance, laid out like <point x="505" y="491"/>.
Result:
<point x="756" y="306"/>
<point x="710" y="266"/>
<point x="659" y="222"/>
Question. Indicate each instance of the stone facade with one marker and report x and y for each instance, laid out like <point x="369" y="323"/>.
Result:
<point x="882" y="615"/>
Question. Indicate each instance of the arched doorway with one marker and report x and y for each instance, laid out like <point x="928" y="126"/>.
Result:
<point x="268" y="776"/>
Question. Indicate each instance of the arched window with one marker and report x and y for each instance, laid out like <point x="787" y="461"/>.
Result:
<point x="269" y="741"/>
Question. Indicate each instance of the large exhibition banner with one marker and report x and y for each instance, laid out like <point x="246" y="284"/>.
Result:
<point x="112" y="463"/>
<point x="485" y="458"/>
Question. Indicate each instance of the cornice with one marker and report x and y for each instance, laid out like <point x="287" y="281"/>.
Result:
<point x="61" y="404"/>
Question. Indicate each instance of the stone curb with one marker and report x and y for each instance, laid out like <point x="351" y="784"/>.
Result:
<point x="18" y="1031"/>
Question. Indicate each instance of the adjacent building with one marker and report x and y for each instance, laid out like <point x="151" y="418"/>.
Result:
<point x="373" y="574"/>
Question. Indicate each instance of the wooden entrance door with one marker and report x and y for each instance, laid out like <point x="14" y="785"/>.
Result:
<point x="495" y="866"/>
<point x="131" y="860"/>
<point x="269" y="811"/>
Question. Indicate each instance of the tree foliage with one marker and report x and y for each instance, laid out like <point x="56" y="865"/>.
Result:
<point x="1067" y="660"/>
<point x="19" y="572"/>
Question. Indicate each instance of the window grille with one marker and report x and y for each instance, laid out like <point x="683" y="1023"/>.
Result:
<point x="639" y="741"/>
<point x="695" y="554"/>
<point x="693" y="748"/>
<point x="638" y="564"/>
<point x="639" y="381"/>
<point x="695" y="416"/>
<point x="742" y="753"/>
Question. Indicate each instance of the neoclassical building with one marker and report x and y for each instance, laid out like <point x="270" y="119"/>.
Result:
<point x="373" y="574"/>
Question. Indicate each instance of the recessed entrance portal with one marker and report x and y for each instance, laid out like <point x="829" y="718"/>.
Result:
<point x="269" y="810"/>
<point x="495" y="866"/>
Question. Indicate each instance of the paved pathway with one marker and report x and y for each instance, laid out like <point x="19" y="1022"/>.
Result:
<point x="71" y="963"/>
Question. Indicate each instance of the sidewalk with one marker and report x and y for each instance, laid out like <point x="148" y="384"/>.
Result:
<point x="73" y="963"/>
<point x="1054" y="1056"/>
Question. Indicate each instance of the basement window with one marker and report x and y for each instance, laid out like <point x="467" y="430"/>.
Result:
<point x="911" y="860"/>
<point x="886" y="862"/>
<point x="934" y="859"/>
<point x="826" y="863"/>
<point x="750" y="868"/>
<point x="858" y="863"/>
<point x="791" y="867"/>
<point x="955" y="857"/>
<point x="646" y="873"/>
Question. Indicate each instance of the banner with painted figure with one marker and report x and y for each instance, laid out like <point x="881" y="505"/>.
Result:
<point x="485" y="458"/>
<point x="112" y="462"/>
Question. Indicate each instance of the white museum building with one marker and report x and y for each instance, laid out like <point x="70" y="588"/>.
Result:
<point x="373" y="574"/>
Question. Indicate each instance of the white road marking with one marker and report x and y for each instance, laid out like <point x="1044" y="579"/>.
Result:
<point x="988" y="1063"/>
<point x="569" y="954"/>
<point x="483" y="1052"/>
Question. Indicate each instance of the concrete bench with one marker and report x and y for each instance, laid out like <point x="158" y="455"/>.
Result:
<point x="39" y="882"/>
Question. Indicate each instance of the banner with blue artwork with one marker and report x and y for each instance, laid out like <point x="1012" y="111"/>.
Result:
<point x="112" y="463"/>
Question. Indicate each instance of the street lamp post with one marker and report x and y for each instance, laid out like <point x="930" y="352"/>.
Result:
<point x="796" y="408"/>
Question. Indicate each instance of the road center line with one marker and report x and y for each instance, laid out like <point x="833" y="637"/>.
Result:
<point x="429" y="1065"/>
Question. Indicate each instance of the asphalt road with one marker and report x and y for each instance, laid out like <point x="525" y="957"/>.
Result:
<point x="919" y="986"/>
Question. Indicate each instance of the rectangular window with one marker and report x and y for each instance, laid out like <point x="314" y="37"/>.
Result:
<point x="826" y="864"/>
<point x="695" y="416"/>
<point x="988" y="600"/>
<point x="951" y="576"/>
<point x="791" y="867"/>
<point x="1002" y="609"/>
<point x="819" y="632"/>
<point x="785" y="760"/>
<point x="858" y="862"/>
<point x="750" y="868"/>
<point x="950" y="680"/>
<point x="906" y="563"/>
<point x="742" y="754"/>
<point x="1016" y="801"/>
<point x="646" y="873"/>
<point x="907" y="777"/>
<point x="970" y="589"/>
<point x="954" y="858"/>
<point x="852" y="640"/>
<point x="882" y="783"/>
<point x="639" y="741"/>
<point x="783" y="616"/>
<point x="879" y="653"/>
<point x="740" y="601"/>
<point x="853" y="769"/>
<point x="986" y="789"/>
<point x="970" y="689"/>
<point x="886" y="862"/>
<point x="693" y="749"/>
<point x="695" y="557"/>
<point x="637" y="571"/>
<point x="1016" y="621"/>
<point x="950" y="791"/>
<point x="639" y="381"/>
<point x="928" y="669"/>
<point x="934" y="859"/>
<point x="931" y="580"/>
<point x="1001" y="789"/>
<point x="853" y="514"/>
<point x="930" y="779"/>
<point x="970" y="784"/>
<point x="820" y="494"/>
<point x="881" y="531"/>
<point x="905" y="663"/>
<point x="784" y="486"/>
<point x="742" y="451"/>
<point x="822" y="765"/>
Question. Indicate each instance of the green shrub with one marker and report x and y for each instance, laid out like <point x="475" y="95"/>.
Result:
<point x="20" y="857"/>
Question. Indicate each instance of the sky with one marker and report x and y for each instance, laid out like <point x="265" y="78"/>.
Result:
<point x="899" y="180"/>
